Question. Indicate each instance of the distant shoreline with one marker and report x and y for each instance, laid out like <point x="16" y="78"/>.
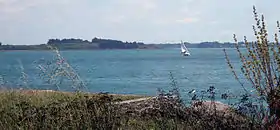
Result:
<point x="108" y="44"/>
<point x="78" y="49"/>
<point x="46" y="50"/>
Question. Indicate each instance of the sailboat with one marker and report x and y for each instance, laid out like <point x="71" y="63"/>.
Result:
<point x="184" y="50"/>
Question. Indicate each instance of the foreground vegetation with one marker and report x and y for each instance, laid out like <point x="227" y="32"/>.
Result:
<point x="260" y="66"/>
<point x="103" y="111"/>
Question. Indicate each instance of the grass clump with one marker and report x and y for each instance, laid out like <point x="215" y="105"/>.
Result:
<point x="59" y="110"/>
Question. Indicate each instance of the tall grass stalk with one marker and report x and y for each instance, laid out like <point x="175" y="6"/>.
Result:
<point x="23" y="76"/>
<point x="261" y="63"/>
<point x="58" y="70"/>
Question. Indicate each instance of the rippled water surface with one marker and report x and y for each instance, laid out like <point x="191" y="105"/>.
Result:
<point x="129" y="71"/>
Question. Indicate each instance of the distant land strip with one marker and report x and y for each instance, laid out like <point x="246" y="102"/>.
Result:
<point x="101" y="44"/>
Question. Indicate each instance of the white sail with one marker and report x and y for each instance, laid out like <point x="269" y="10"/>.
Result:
<point x="184" y="49"/>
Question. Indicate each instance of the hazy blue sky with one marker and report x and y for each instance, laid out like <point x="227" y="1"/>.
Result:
<point x="35" y="21"/>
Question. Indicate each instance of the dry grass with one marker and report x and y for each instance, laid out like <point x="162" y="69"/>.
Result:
<point x="56" y="110"/>
<point x="48" y="95"/>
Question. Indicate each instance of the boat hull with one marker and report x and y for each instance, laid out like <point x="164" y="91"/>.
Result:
<point x="185" y="54"/>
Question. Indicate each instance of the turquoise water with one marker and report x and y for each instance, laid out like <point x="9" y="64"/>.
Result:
<point x="129" y="71"/>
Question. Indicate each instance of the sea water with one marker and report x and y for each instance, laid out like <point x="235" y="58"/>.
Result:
<point x="140" y="72"/>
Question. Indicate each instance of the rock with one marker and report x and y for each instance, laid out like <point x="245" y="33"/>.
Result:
<point x="210" y="105"/>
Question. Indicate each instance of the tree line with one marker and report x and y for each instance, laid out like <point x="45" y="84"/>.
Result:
<point x="101" y="43"/>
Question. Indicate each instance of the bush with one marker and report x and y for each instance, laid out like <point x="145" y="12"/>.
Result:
<point x="261" y="65"/>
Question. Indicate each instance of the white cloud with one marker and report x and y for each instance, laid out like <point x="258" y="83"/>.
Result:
<point x="138" y="4"/>
<point x="188" y="20"/>
<point x="116" y="19"/>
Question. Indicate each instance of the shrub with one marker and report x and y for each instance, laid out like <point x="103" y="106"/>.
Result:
<point x="261" y="64"/>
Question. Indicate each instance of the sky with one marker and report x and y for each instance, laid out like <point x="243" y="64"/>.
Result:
<point x="148" y="21"/>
